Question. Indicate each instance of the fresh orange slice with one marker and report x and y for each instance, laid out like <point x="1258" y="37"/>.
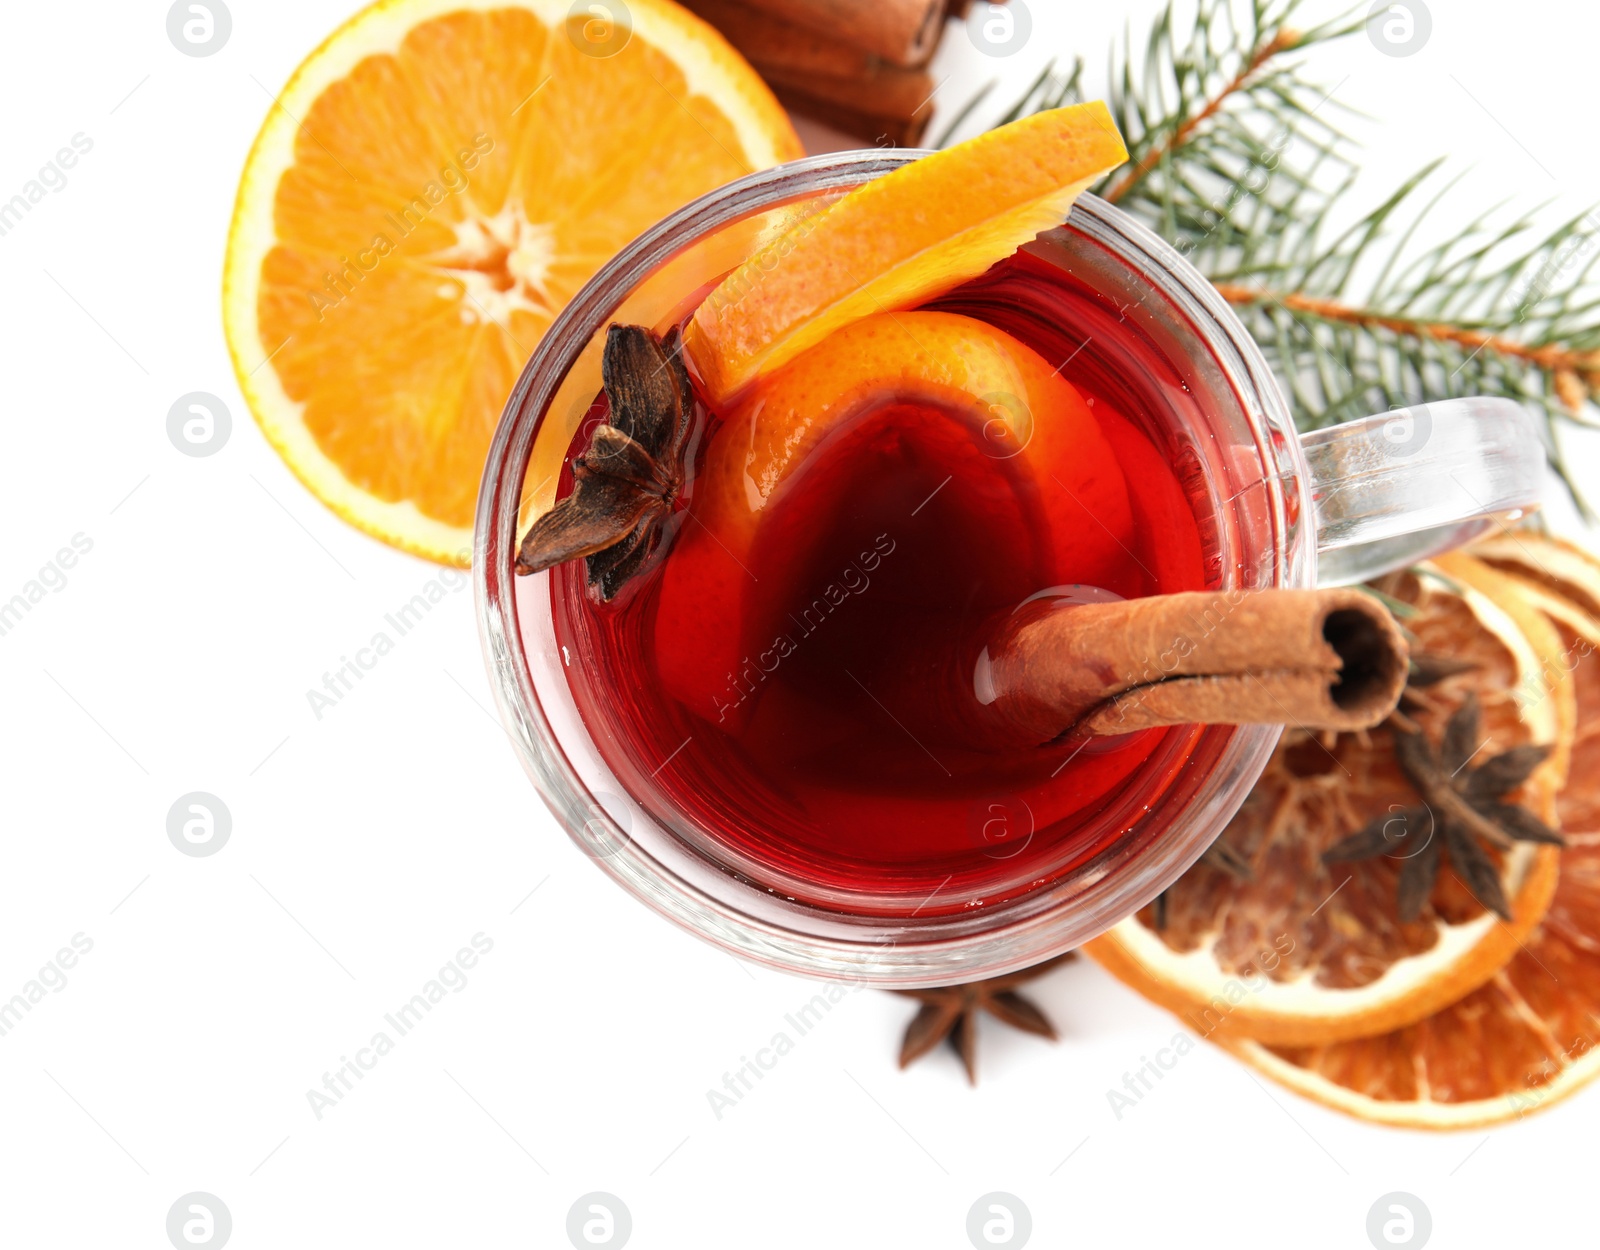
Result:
<point x="899" y="240"/>
<point x="988" y="408"/>
<point x="1307" y="952"/>
<point x="1526" y="1039"/>
<point x="431" y="188"/>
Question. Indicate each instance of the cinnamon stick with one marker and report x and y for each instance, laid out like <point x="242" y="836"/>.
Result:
<point x="903" y="32"/>
<point x="764" y="39"/>
<point x="901" y="132"/>
<point x="1320" y="659"/>
<point x="831" y="81"/>
<point x="885" y="92"/>
<point x="960" y="8"/>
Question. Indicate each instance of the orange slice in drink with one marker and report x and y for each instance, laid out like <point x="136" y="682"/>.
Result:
<point x="917" y="385"/>
<point x="900" y="240"/>
<point x="1305" y="952"/>
<point x="1526" y="1038"/>
<point x="433" y="185"/>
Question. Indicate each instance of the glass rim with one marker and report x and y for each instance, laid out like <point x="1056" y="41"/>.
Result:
<point x="880" y="950"/>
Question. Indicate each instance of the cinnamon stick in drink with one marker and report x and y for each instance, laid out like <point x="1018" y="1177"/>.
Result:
<point x="1320" y="659"/>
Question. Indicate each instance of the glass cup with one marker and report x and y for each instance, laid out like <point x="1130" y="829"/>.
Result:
<point x="1285" y="510"/>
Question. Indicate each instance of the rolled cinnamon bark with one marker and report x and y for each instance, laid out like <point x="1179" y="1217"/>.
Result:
<point x="1320" y="659"/>
<point x="960" y="8"/>
<point x="832" y="80"/>
<point x="902" y="132"/>
<point x="904" y="32"/>
<point x="764" y="39"/>
<point x="884" y="92"/>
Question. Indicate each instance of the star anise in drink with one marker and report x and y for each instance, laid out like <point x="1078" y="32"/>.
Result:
<point x="951" y="1013"/>
<point x="1464" y="809"/>
<point x="627" y="481"/>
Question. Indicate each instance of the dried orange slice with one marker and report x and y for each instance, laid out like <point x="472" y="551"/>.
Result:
<point x="1560" y="576"/>
<point x="1305" y="951"/>
<point x="1524" y="1040"/>
<point x="899" y="240"/>
<point x="434" y="184"/>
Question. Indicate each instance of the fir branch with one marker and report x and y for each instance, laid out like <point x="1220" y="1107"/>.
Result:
<point x="1235" y="160"/>
<point x="1184" y="131"/>
<point x="1202" y="105"/>
<point x="1484" y="313"/>
<point x="1552" y="358"/>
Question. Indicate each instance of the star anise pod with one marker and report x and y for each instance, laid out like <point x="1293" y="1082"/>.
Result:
<point x="1463" y="807"/>
<point x="1428" y="669"/>
<point x="625" y="484"/>
<point x="951" y="1012"/>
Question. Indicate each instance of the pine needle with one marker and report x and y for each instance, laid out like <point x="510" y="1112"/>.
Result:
<point x="1238" y="161"/>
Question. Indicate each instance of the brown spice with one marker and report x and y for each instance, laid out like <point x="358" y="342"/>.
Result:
<point x="625" y="484"/>
<point x="874" y="128"/>
<point x="951" y="1013"/>
<point x="884" y="93"/>
<point x="1331" y="659"/>
<point x="765" y="39"/>
<point x="830" y="77"/>
<point x="902" y="32"/>
<point x="1463" y="805"/>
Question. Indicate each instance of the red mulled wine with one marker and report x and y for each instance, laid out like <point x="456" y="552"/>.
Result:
<point x="793" y="768"/>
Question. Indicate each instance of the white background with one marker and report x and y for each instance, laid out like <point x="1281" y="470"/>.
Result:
<point x="370" y="846"/>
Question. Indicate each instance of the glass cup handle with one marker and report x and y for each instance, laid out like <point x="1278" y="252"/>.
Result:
<point x="1404" y="485"/>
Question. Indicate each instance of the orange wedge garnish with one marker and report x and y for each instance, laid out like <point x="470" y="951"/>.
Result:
<point x="427" y="193"/>
<point x="899" y="240"/>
